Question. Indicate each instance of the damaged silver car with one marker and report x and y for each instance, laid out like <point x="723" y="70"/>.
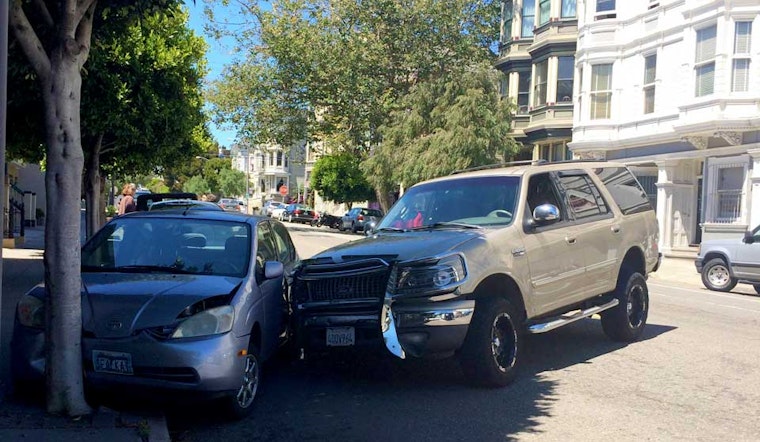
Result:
<point x="174" y="301"/>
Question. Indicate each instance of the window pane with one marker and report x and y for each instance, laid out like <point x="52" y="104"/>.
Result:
<point x="742" y="37"/>
<point x="539" y="96"/>
<point x="705" y="79"/>
<point x="600" y="105"/>
<point x="523" y="92"/>
<point x="706" y="44"/>
<point x="507" y="25"/>
<point x="650" y="69"/>
<point x="649" y="100"/>
<point x="568" y="8"/>
<point x="528" y="15"/>
<point x="565" y="79"/>
<point x="558" y="152"/>
<point x="601" y="76"/>
<point x="625" y="189"/>
<point x="605" y="5"/>
<point x="543" y="11"/>
<point x="740" y="79"/>
<point x="583" y="196"/>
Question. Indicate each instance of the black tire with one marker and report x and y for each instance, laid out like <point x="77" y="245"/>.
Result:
<point x="492" y="351"/>
<point x="757" y="288"/>
<point x="717" y="276"/>
<point x="626" y="321"/>
<point x="353" y="227"/>
<point x="241" y="403"/>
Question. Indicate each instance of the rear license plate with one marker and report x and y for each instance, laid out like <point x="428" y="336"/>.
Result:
<point x="340" y="336"/>
<point x="112" y="362"/>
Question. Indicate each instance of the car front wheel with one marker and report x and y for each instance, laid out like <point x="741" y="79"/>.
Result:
<point x="492" y="351"/>
<point x="241" y="404"/>
<point x="716" y="276"/>
<point x="626" y="321"/>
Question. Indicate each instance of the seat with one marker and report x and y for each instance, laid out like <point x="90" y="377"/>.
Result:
<point x="237" y="250"/>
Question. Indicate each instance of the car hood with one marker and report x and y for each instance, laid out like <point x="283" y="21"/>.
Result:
<point x="116" y="305"/>
<point x="406" y="246"/>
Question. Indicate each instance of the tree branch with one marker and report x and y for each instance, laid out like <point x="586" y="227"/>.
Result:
<point x="29" y="41"/>
<point x="84" y="8"/>
<point x="84" y="30"/>
<point x="46" y="17"/>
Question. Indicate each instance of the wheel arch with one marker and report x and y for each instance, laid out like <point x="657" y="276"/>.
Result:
<point x="503" y="286"/>
<point x="256" y="337"/>
<point x="633" y="260"/>
<point x="717" y="254"/>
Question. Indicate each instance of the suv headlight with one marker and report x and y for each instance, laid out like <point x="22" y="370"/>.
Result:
<point x="213" y="321"/>
<point x="426" y="277"/>
<point x="30" y="311"/>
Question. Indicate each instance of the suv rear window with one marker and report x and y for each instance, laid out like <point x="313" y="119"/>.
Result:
<point x="625" y="189"/>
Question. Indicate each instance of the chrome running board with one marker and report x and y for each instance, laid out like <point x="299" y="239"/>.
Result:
<point x="564" y="320"/>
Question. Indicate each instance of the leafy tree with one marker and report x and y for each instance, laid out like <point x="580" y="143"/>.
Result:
<point x="231" y="182"/>
<point x="197" y="185"/>
<point x="339" y="178"/>
<point x="55" y="37"/>
<point x="452" y="122"/>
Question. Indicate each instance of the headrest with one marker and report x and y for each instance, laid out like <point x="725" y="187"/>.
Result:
<point x="193" y="240"/>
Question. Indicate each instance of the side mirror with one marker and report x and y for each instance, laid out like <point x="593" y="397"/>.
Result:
<point x="748" y="238"/>
<point x="546" y="214"/>
<point x="273" y="269"/>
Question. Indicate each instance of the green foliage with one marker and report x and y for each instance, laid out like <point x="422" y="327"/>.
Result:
<point x="196" y="185"/>
<point x="212" y="171"/>
<point x="156" y="185"/>
<point x="111" y="211"/>
<point x="231" y="182"/>
<point x="452" y="122"/>
<point x="338" y="178"/>
<point x="335" y="69"/>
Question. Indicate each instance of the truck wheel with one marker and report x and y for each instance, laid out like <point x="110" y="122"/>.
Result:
<point x="492" y="351"/>
<point x="716" y="276"/>
<point x="626" y="321"/>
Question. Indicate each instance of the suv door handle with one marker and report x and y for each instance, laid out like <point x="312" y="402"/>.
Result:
<point x="570" y="240"/>
<point x="615" y="229"/>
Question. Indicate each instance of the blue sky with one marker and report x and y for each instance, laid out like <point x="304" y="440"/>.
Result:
<point x="218" y="55"/>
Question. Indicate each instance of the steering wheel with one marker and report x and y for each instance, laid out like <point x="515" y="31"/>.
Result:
<point x="500" y="213"/>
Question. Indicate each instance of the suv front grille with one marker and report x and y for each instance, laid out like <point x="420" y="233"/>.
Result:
<point x="356" y="280"/>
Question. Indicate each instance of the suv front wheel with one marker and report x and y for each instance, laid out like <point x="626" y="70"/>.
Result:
<point x="625" y="322"/>
<point x="492" y="351"/>
<point x="716" y="276"/>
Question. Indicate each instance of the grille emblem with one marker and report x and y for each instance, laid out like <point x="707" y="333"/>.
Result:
<point x="344" y="291"/>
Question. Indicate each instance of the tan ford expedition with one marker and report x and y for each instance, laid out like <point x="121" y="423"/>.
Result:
<point x="467" y="264"/>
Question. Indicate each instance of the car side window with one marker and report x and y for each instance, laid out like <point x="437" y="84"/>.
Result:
<point x="265" y="249"/>
<point x="541" y="190"/>
<point x="583" y="197"/>
<point x="286" y="251"/>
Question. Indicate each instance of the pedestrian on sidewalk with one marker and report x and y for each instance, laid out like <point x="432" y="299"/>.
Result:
<point x="127" y="203"/>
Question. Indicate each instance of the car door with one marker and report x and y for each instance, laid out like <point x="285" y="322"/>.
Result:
<point x="556" y="266"/>
<point x="270" y="290"/>
<point x="598" y="236"/>
<point x="746" y="265"/>
<point x="286" y="253"/>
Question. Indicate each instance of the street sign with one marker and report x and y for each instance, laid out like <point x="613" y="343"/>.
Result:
<point x="283" y="190"/>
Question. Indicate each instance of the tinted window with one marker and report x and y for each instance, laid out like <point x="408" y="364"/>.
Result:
<point x="265" y="248"/>
<point x="285" y="249"/>
<point x="583" y="196"/>
<point x="625" y="189"/>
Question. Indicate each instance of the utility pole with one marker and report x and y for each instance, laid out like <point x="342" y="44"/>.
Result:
<point x="3" y="104"/>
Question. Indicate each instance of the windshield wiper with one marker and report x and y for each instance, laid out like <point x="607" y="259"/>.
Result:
<point x="390" y="229"/>
<point x="447" y="224"/>
<point x="150" y="269"/>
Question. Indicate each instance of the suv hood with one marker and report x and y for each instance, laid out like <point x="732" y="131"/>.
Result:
<point x="404" y="246"/>
<point x="116" y="305"/>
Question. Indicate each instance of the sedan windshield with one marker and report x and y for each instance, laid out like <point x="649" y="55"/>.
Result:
<point x="169" y="245"/>
<point x="456" y="203"/>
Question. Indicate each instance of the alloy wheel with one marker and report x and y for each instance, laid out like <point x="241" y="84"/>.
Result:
<point x="503" y="342"/>
<point x="250" y="386"/>
<point x="719" y="276"/>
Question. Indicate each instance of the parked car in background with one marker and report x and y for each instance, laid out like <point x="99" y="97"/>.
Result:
<point x="185" y="302"/>
<point x="184" y="204"/>
<point x="232" y="205"/>
<point x="723" y="263"/>
<point x="355" y="219"/>
<point x="298" y="213"/>
<point x="270" y="206"/>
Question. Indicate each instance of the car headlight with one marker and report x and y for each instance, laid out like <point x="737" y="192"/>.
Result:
<point x="426" y="277"/>
<point x="30" y="311"/>
<point x="213" y="321"/>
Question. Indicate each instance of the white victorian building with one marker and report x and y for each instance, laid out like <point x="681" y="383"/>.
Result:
<point x="268" y="168"/>
<point x="672" y="88"/>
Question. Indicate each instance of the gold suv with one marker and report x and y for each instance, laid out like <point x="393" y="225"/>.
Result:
<point x="468" y="263"/>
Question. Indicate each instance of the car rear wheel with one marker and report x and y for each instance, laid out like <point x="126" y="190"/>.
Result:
<point x="716" y="276"/>
<point x="626" y="321"/>
<point x="757" y="288"/>
<point x="492" y="351"/>
<point x="353" y="227"/>
<point x="241" y="403"/>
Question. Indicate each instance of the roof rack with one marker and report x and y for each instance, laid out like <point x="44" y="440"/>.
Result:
<point x="539" y="162"/>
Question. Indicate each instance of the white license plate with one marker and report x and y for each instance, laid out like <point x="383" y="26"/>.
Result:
<point x="112" y="362"/>
<point x="340" y="336"/>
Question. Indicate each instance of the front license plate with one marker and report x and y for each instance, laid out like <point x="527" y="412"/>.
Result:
<point x="340" y="336"/>
<point x="112" y="362"/>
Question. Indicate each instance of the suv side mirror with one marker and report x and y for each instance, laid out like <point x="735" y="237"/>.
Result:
<point x="748" y="238"/>
<point x="546" y="214"/>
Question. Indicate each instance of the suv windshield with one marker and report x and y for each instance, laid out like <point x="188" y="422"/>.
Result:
<point x="169" y="245"/>
<point x="476" y="201"/>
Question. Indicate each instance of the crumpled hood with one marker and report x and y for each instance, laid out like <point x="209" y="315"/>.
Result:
<point x="399" y="246"/>
<point x="115" y="305"/>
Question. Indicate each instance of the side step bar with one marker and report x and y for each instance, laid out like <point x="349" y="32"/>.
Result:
<point x="564" y="320"/>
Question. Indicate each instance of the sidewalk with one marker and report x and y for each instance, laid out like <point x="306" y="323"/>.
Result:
<point x="678" y="271"/>
<point x="26" y="418"/>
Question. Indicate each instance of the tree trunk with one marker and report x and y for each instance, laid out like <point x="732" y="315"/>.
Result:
<point x="92" y="190"/>
<point x="63" y="184"/>
<point x="383" y="199"/>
